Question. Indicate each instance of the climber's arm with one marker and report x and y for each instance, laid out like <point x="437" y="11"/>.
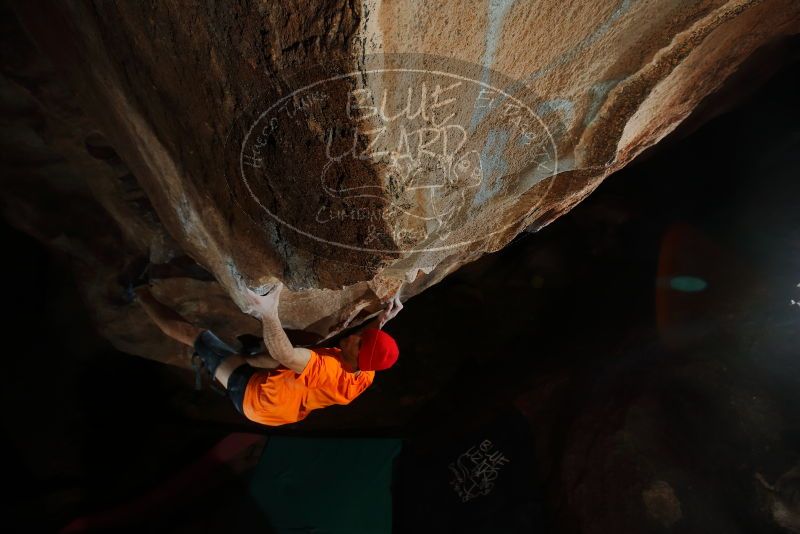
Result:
<point x="168" y="320"/>
<point x="276" y="340"/>
<point x="262" y="361"/>
<point x="295" y="358"/>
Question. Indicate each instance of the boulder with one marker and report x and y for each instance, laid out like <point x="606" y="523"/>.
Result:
<point x="352" y="150"/>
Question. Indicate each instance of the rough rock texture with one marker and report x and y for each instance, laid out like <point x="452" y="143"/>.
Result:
<point x="127" y="138"/>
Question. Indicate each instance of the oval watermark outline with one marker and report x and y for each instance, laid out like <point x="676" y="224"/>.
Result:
<point x="460" y="244"/>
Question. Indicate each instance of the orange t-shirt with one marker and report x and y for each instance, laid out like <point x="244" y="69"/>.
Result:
<point x="281" y="396"/>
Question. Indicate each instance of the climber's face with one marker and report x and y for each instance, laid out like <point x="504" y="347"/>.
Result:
<point x="350" y="346"/>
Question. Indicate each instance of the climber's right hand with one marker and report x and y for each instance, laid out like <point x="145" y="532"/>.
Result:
<point x="262" y="305"/>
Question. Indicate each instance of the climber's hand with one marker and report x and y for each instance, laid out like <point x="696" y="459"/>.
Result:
<point x="262" y="305"/>
<point x="393" y="307"/>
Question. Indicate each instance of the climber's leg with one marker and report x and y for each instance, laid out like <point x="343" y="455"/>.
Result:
<point x="229" y="368"/>
<point x="236" y="383"/>
<point x="213" y="352"/>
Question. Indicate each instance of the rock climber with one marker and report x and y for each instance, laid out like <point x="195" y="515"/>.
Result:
<point x="287" y="384"/>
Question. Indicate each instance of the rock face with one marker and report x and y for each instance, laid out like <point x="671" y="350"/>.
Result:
<point x="352" y="150"/>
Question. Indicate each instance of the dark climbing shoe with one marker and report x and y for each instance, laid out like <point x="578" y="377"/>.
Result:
<point x="211" y="351"/>
<point x="251" y="345"/>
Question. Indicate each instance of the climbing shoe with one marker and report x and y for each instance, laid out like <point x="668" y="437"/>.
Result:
<point x="211" y="351"/>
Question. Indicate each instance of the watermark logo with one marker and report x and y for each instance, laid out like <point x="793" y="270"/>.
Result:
<point x="475" y="471"/>
<point x="406" y="153"/>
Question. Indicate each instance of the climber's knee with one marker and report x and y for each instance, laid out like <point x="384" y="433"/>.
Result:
<point x="237" y="385"/>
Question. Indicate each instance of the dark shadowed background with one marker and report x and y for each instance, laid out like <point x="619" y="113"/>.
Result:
<point x="638" y="361"/>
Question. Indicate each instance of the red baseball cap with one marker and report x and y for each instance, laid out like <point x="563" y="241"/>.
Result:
<point x="378" y="350"/>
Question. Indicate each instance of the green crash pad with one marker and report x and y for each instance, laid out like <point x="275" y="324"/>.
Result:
<point x="326" y="485"/>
